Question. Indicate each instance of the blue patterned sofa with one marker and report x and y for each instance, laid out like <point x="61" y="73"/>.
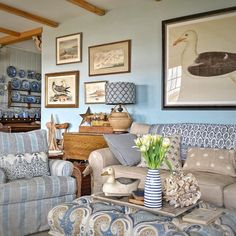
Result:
<point x="218" y="189"/>
<point x="25" y="203"/>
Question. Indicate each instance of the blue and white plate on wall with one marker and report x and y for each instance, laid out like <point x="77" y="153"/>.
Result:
<point x="38" y="76"/>
<point x="11" y="71"/>
<point x="30" y="99"/>
<point x="15" y="96"/>
<point x="15" y="83"/>
<point x="31" y="74"/>
<point x="38" y="100"/>
<point x="34" y="86"/>
<point x="25" y="85"/>
<point x="21" y="73"/>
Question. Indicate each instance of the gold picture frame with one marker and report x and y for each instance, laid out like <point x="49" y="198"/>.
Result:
<point x="61" y="89"/>
<point x="94" y="92"/>
<point x="110" y="58"/>
<point x="69" y="49"/>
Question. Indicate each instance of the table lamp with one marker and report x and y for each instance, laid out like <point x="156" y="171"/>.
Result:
<point x="120" y="94"/>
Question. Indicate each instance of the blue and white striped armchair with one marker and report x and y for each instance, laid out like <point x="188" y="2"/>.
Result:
<point x="25" y="203"/>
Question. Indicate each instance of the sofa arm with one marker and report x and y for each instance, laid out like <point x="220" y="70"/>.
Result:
<point x="98" y="160"/>
<point x="3" y="178"/>
<point x="60" y="167"/>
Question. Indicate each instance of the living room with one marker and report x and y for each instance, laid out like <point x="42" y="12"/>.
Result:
<point x="145" y="27"/>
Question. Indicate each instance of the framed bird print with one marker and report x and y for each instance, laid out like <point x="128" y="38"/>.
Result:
<point x="199" y="61"/>
<point x="61" y="89"/>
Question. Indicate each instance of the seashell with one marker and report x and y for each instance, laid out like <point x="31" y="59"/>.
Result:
<point x="181" y="189"/>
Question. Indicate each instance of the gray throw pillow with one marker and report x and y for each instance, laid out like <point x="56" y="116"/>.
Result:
<point x="122" y="146"/>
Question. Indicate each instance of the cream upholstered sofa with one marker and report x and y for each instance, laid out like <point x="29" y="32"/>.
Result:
<point x="216" y="187"/>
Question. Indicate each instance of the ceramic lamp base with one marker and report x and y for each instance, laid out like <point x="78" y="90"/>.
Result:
<point x="120" y="121"/>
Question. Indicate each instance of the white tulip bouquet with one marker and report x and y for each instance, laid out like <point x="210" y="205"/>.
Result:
<point x="153" y="149"/>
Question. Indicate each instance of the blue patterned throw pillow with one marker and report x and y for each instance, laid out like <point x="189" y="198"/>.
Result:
<point x="25" y="165"/>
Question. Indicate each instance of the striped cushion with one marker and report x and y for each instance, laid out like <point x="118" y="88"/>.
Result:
<point x="60" y="167"/>
<point x="36" y="189"/>
<point x="28" y="142"/>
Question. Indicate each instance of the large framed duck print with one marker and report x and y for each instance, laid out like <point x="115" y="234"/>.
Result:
<point x="199" y="61"/>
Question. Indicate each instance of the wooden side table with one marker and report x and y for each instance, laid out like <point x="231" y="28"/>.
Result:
<point x="77" y="147"/>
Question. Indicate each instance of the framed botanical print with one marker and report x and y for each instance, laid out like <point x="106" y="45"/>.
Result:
<point x="94" y="92"/>
<point x="199" y="61"/>
<point x="110" y="58"/>
<point x="61" y="89"/>
<point x="69" y="49"/>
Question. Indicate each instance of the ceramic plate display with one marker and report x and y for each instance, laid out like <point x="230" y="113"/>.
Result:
<point x="15" y="96"/>
<point x="25" y="85"/>
<point x="34" y="86"/>
<point x="38" y="76"/>
<point x="30" y="74"/>
<point x="11" y="71"/>
<point x="21" y="73"/>
<point x="38" y="100"/>
<point x="30" y="99"/>
<point x="15" y="83"/>
<point x="22" y="98"/>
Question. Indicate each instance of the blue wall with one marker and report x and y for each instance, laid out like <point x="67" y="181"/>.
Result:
<point x="140" y="22"/>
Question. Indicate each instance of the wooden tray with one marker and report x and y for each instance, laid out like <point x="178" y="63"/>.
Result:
<point x="96" y="129"/>
<point x="202" y="216"/>
<point x="166" y="209"/>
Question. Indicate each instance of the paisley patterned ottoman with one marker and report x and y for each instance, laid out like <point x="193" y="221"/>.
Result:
<point x="83" y="217"/>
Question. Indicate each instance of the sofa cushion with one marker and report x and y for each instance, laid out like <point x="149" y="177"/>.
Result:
<point x="36" y="189"/>
<point x="219" y="161"/>
<point x="136" y="173"/>
<point x="139" y="128"/>
<point x="28" y="142"/>
<point x="212" y="186"/>
<point x="173" y="155"/>
<point x="199" y="135"/>
<point x="25" y="165"/>
<point x="122" y="146"/>
<point x="229" y="196"/>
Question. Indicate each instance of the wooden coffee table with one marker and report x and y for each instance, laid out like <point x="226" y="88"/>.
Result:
<point x="166" y="209"/>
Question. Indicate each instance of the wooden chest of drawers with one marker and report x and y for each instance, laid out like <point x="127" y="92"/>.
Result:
<point x="78" y="146"/>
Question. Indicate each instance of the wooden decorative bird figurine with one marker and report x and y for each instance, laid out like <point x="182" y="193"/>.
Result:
<point x="120" y="186"/>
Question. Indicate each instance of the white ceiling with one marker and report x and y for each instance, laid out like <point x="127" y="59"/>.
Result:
<point x="56" y="10"/>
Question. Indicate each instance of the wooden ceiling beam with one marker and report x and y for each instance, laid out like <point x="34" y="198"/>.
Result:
<point x="26" y="35"/>
<point x="27" y="15"/>
<point x="10" y="32"/>
<point x="88" y="6"/>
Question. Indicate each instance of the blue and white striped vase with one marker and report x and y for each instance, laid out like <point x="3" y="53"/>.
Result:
<point x="152" y="189"/>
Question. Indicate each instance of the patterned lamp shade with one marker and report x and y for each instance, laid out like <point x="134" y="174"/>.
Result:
<point x="120" y="93"/>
